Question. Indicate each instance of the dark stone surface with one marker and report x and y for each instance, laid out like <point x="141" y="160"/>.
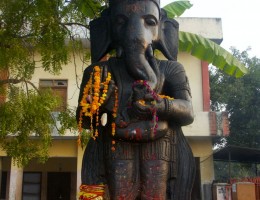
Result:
<point x="152" y="159"/>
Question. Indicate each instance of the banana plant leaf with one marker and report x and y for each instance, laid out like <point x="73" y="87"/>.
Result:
<point x="211" y="52"/>
<point x="176" y="8"/>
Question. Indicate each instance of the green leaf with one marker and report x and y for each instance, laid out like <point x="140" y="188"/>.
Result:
<point x="209" y="51"/>
<point x="176" y="8"/>
<point x="89" y="8"/>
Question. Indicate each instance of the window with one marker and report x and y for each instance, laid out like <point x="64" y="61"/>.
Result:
<point x="31" y="186"/>
<point x="59" y="88"/>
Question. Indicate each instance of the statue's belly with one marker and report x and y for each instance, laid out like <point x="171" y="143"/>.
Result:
<point x="141" y="131"/>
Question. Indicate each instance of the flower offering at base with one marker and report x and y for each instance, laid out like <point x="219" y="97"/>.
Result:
<point x="92" y="192"/>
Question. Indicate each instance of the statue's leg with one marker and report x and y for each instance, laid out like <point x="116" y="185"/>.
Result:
<point x="122" y="171"/>
<point x="154" y="169"/>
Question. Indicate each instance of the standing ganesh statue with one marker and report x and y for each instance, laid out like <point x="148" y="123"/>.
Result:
<point x="141" y="152"/>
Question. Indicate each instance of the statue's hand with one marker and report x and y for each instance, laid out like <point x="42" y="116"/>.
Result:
<point x="109" y="97"/>
<point x="109" y="101"/>
<point x="149" y="106"/>
<point x="103" y="90"/>
<point x="145" y="103"/>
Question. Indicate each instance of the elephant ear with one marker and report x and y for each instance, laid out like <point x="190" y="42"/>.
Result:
<point x="100" y="39"/>
<point x="168" y="39"/>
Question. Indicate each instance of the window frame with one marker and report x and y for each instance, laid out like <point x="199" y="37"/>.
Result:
<point x="39" y="184"/>
<point x="54" y="87"/>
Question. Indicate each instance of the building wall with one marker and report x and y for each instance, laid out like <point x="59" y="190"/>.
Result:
<point x="65" y="156"/>
<point x="72" y="72"/>
<point x="202" y="148"/>
<point x="206" y="27"/>
<point x="2" y="152"/>
<point x="64" y="148"/>
<point x="55" y="164"/>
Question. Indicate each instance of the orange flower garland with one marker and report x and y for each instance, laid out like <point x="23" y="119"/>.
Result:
<point x="92" y="192"/>
<point x="165" y="97"/>
<point x="113" y="125"/>
<point x="92" y="99"/>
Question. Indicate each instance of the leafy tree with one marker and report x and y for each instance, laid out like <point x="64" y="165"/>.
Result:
<point x="45" y="33"/>
<point x="241" y="99"/>
<point x="224" y="170"/>
<point x="33" y="34"/>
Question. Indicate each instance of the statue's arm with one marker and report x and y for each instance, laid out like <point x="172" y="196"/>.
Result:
<point x="108" y="102"/>
<point x="178" y="110"/>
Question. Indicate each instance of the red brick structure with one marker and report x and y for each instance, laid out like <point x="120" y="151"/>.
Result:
<point x="219" y="123"/>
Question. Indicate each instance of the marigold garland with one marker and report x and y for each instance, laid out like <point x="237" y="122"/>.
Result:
<point x="94" y="95"/>
<point x="90" y="103"/>
<point x="113" y="125"/>
<point x="92" y="192"/>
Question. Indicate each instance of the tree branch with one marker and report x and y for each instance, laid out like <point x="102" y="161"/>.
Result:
<point x="23" y="36"/>
<point x="10" y="81"/>
<point x="30" y="83"/>
<point x="16" y="81"/>
<point x="75" y="23"/>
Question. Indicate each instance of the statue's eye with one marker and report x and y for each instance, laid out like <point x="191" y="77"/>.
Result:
<point x="150" y="20"/>
<point x="120" y="20"/>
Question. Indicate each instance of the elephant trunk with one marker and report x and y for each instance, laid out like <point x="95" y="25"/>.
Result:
<point x="138" y="65"/>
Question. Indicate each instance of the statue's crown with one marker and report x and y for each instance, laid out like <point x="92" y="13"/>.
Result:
<point x="114" y="2"/>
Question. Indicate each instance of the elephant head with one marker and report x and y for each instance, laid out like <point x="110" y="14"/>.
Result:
<point x="135" y="28"/>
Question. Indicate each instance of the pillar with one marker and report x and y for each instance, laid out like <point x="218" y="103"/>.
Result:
<point x="16" y="180"/>
<point x="80" y="153"/>
<point x="205" y="86"/>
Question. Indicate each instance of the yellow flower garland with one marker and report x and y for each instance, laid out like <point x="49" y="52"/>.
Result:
<point x="92" y="99"/>
<point x="92" y="192"/>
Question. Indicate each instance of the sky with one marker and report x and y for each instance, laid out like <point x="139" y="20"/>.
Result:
<point x="240" y="21"/>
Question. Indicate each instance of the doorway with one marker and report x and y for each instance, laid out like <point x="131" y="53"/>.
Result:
<point x="58" y="185"/>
